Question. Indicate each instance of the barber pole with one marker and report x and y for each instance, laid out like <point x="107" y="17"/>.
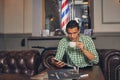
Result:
<point x="64" y="14"/>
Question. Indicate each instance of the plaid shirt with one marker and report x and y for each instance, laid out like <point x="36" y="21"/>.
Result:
<point x="75" y="56"/>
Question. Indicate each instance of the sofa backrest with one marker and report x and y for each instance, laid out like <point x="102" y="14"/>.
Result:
<point x="21" y="62"/>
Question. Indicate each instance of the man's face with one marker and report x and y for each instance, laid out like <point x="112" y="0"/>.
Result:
<point x="73" y="33"/>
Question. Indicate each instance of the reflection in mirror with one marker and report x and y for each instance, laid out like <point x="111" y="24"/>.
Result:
<point x="78" y="10"/>
<point x="52" y="18"/>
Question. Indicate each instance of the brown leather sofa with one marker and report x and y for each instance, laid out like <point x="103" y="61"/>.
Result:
<point x="19" y="62"/>
<point x="109" y="62"/>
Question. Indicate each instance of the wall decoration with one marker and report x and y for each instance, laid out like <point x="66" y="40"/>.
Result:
<point x="117" y="2"/>
<point x="110" y="11"/>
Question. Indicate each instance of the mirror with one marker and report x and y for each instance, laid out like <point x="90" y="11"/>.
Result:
<point x="78" y="10"/>
<point x="52" y="18"/>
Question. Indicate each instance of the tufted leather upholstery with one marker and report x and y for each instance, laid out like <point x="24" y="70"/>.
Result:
<point x="109" y="62"/>
<point x="46" y="59"/>
<point x="21" y="62"/>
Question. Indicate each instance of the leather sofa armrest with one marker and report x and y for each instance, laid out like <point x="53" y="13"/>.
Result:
<point x="46" y="59"/>
<point x="109" y="63"/>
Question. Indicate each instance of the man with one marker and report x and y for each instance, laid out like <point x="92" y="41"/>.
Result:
<point x="83" y="55"/>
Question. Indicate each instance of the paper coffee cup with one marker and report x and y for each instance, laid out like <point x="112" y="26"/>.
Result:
<point x="72" y="44"/>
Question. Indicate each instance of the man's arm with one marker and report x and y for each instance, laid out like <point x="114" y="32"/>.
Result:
<point x="88" y="48"/>
<point x="60" y="52"/>
<point x="88" y="54"/>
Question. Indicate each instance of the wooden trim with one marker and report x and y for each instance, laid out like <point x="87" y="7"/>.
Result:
<point x="31" y="38"/>
<point x="19" y="35"/>
<point x="107" y="34"/>
<point x="43" y="14"/>
<point x="91" y="12"/>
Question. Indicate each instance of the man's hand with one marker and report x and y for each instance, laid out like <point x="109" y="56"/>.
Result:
<point x="57" y="63"/>
<point x="80" y="45"/>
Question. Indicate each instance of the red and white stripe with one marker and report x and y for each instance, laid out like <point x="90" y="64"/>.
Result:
<point x="64" y="14"/>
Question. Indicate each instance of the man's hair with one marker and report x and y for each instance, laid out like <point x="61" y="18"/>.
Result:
<point x="72" y="24"/>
